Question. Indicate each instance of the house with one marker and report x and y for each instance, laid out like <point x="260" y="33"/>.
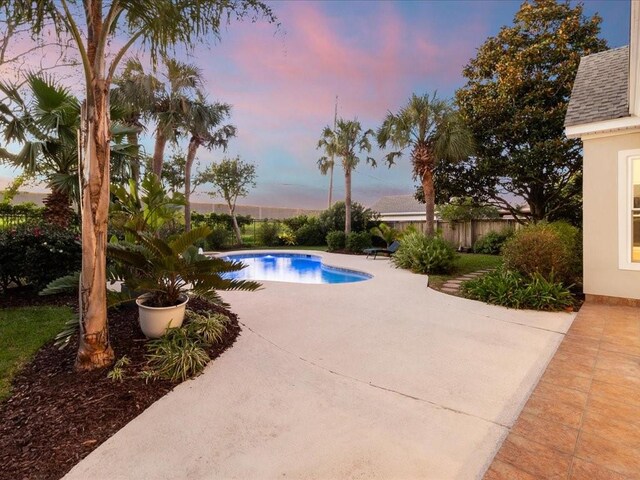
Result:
<point x="402" y="209"/>
<point x="604" y="111"/>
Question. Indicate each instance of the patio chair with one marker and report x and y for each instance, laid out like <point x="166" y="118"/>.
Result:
<point x="382" y="251"/>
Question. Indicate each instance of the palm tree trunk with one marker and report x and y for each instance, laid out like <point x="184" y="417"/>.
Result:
<point x="236" y="228"/>
<point x="429" y="200"/>
<point x="94" y="349"/>
<point x="347" y="201"/>
<point x="158" y="153"/>
<point x="191" y="155"/>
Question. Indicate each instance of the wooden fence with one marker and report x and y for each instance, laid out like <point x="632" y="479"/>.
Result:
<point x="463" y="234"/>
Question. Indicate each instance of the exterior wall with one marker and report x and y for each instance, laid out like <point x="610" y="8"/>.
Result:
<point x="600" y="207"/>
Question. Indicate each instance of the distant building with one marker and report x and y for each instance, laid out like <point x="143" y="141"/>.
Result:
<point x="399" y="208"/>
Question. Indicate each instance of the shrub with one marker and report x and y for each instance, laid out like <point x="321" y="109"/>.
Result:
<point x="492" y="242"/>
<point x="297" y="222"/>
<point x="177" y="355"/>
<point x="311" y="233"/>
<point x="37" y="254"/>
<point x="209" y="328"/>
<point x="336" y="240"/>
<point x="333" y="218"/>
<point x="356" y="242"/>
<point x="514" y="290"/>
<point x="268" y="234"/>
<point x="422" y="254"/>
<point x="218" y="237"/>
<point x="549" y="249"/>
<point x="286" y="236"/>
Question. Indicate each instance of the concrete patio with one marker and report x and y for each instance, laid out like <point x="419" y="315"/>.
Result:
<point x="378" y="379"/>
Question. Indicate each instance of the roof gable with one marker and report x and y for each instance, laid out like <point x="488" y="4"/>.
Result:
<point x="601" y="88"/>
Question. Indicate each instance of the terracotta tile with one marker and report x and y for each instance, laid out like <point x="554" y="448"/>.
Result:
<point x="570" y="363"/>
<point x="504" y="471"/>
<point x="629" y="349"/>
<point x="586" y="330"/>
<point x="565" y="378"/>
<point x="617" y="378"/>
<point x="551" y="434"/>
<point x="618" y="367"/>
<point x="614" y="430"/>
<point x="615" y="393"/>
<point x="582" y="470"/>
<point x="534" y="458"/>
<point x="614" y="410"/>
<point x="615" y="456"/>
<point x="581" y="344"/>
<point x="558" y="404"/>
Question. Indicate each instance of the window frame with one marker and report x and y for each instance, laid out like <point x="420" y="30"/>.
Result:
<point x="625" y="209"/>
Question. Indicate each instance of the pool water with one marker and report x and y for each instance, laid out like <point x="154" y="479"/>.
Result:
<point x="288" y="267"/>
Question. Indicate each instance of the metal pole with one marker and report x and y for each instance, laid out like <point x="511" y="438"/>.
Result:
<point x="335" y="120"/>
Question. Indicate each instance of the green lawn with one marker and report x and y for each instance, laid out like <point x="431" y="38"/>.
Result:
<point x="466" y="263"/>
<point x="22" y="332"/>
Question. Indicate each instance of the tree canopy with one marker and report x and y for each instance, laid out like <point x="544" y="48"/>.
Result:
<point x="515" y="100"/>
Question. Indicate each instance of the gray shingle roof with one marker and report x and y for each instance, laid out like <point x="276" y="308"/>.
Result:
<point x="398" y="204"/>
<point x="601" y="88"/>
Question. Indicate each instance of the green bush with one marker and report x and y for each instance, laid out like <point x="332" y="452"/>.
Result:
<point x="37" y="254"/>
<point x="286" y="236"/>
<point x="336" y="240"/>
<point x="357" y="241"/>
<point x="218" y="238"/>
<point x="549" y="249"/>
<point x="311" y="234"/>
<point x="333" y="218"/>
<point x="297" y="222"/>
<point x="492" y="242"/>
<point x="514" y="290"/>
<point x="180" y="353"/>
<point x="268" y="234"/>
<point x="422" y="254"/>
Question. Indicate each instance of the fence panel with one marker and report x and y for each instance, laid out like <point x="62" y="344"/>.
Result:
<point x="463" y="234"/>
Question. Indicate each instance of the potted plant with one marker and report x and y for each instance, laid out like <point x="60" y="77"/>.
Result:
<point x="168" y="272"/>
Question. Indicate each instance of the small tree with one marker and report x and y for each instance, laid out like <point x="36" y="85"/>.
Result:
<point x="231" y="178"/>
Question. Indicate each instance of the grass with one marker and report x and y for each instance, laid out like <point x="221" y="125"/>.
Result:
<point x="23" y="331"/>
<point x="466" y="263"/>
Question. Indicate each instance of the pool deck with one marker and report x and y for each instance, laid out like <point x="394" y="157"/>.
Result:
<point x="383" y="378"/>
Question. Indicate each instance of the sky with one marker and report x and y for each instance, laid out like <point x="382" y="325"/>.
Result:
<point x="372" y="55"/>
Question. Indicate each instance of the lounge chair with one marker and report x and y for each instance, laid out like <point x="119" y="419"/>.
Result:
<point x="390" y="250"/>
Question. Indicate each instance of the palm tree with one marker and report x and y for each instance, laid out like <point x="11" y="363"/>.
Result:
<point x="92" y="26"/>
<point x="202" y="124"/>
<point x="342" y="141"/>
<point x="435" y="132"/>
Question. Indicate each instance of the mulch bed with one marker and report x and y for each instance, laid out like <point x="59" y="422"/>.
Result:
<point x="56" y="417"/>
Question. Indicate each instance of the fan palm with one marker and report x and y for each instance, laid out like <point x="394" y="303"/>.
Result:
<point x="434" y="132"/>
<point x="202" y="124"/>
<point x="343" y="142"/>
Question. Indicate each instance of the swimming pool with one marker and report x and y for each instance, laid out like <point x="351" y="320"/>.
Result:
<point x="290" y="267"/>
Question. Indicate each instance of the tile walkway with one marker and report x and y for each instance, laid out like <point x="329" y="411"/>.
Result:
<point x="583" y="419"/>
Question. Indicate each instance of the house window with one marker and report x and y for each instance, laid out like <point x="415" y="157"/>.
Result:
<point x="629" y="209"/>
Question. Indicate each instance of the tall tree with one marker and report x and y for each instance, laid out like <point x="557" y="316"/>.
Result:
<point x="202" y="124"/>
<point x="434" y="132"/>
<point x="514" y="102"/>
<point x="231" y="178"/>
<point x="159" y="25"/>
<point x="343" y="141"/>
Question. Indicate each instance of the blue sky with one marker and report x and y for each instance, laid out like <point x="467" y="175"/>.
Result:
<point x="372" y="54"/>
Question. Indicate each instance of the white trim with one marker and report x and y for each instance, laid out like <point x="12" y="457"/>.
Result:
<point x="634" y="59"/>
<point x="624" y="123"/>
<point x="625" y="203"/>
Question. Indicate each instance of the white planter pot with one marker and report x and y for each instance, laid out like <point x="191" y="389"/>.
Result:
<point x="154" y="321"/>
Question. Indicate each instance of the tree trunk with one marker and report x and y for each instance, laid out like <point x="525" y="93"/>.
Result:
<point x="191" y="155"/>
<point x="94" y="350"/>
<point x="158" y="153"/>
<point x="347" y="201"/>
<point x="236" y="228"/>
<point x="429" y="200"/>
